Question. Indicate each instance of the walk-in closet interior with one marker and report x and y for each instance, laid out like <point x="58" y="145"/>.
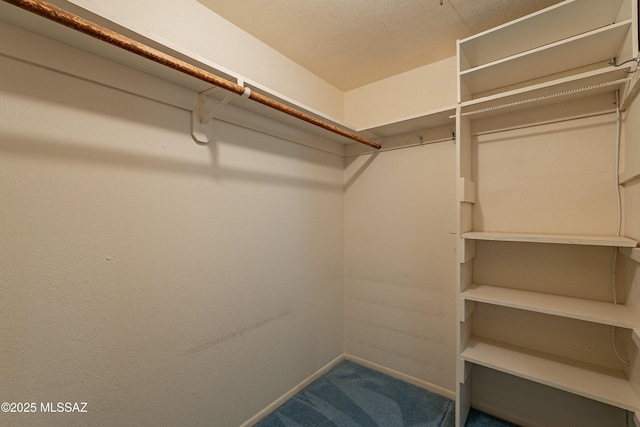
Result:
<point x="194" y="226"/>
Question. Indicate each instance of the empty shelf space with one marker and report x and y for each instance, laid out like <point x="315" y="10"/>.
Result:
<point x="597" y="383"/>
<point x="574" y="308"/>
<point x="566" y="239"/>
<point x="586" y="49"/>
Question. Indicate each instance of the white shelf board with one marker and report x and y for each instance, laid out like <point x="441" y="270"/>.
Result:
<point x="576" y="86"/>
<point x="567" y="239"/>
<point x="574" y="308"/>
<point x="561" y="21"/>
<point x="585" y="49"/>
<point x="593" y="382"/>
<point x="431" y="119"/>
<point x="20" y="18"/>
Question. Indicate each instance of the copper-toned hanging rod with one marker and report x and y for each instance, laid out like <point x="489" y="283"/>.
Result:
<point x="68" y="19"/>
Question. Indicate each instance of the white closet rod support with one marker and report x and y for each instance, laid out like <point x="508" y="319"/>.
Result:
<point x="75" y="22"/>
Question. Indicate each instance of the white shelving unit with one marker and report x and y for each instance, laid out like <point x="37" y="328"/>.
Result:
<point x="596" y="46"/>
<point x="559" y="54"/>
<point x="560" y="22"/>
<point x="576" y="34"/>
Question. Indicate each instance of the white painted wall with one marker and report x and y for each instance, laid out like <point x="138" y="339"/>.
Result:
<point x="162" y="282"/>
<point x="556" y="178"/>
<point x="403" y="96"/>
<point x="400" y="261"/>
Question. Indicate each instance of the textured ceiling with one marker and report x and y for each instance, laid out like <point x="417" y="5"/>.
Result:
<point x="350" y="43"/>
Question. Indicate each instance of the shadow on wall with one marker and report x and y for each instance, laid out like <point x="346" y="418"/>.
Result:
<point x="353" y="178"/>
<point x="46" y="99"/>
<point x="20" y="146"/>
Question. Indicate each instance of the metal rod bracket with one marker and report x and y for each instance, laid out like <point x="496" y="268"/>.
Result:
<point x="634" y="60"/>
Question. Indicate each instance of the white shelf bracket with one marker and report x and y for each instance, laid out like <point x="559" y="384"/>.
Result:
<point x="205" y="110"/>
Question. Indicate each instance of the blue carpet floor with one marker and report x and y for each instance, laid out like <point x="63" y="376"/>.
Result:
<point x="351" y="395"/>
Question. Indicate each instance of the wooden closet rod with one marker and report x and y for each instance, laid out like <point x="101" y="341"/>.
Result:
<point x="92" y="29"/>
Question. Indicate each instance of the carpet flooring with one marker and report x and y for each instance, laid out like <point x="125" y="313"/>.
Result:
<point x="351" y="395"/>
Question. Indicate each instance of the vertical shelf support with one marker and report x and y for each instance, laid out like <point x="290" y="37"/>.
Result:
<point x="466" y="252"/>
<point x="466" y="190"/>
